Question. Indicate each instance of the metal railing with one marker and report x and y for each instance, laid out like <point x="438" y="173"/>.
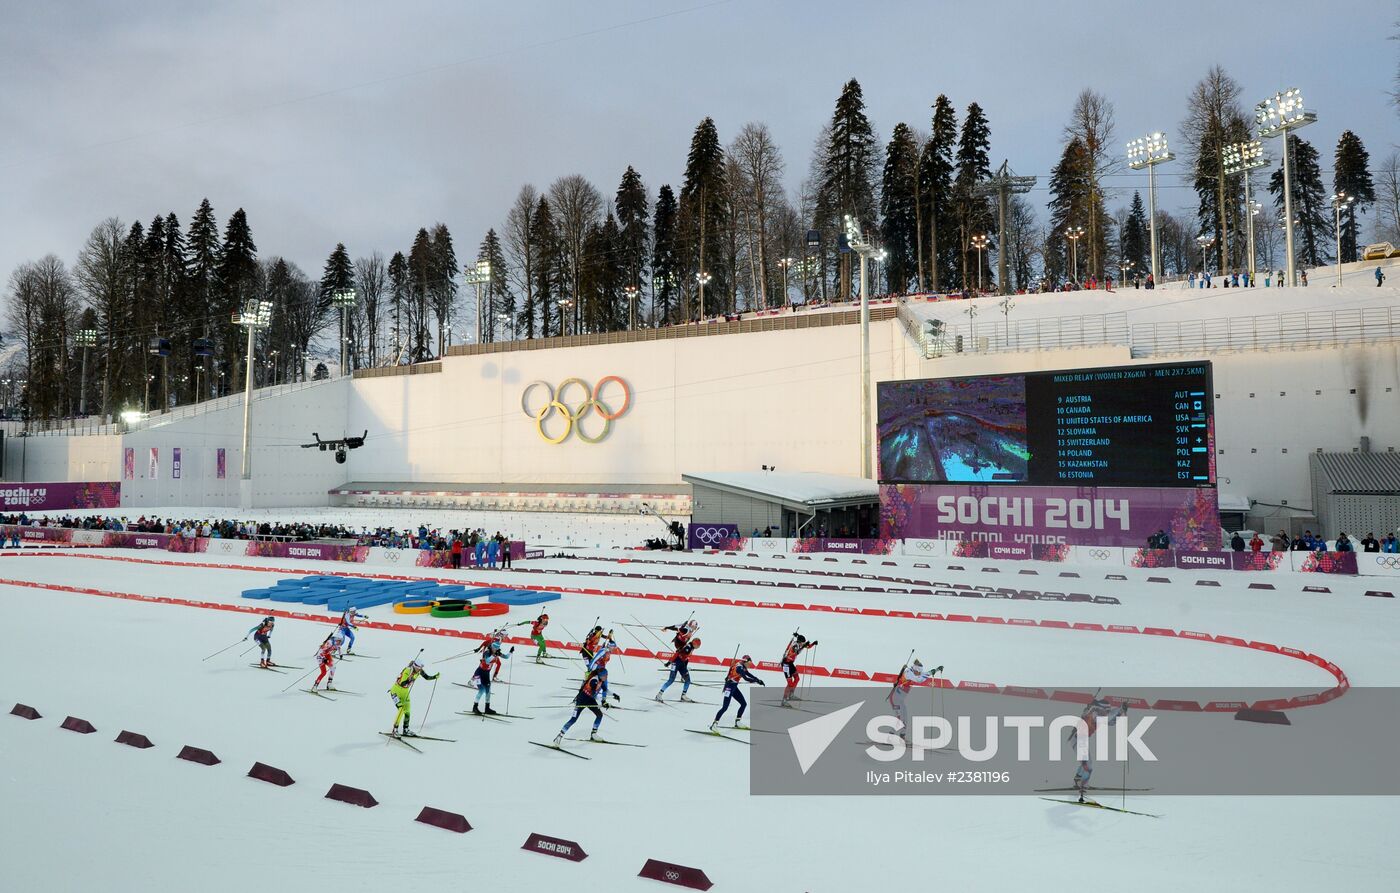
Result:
<point x="1045" y="333"/>
<point x="1301" y="330"/>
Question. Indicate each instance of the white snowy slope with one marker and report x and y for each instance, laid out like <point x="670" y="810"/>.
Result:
<point x="84" y="813"/>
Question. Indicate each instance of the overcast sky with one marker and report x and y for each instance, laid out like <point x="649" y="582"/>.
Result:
<point x="360" y="122"/>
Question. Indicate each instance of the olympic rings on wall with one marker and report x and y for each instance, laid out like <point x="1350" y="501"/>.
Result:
<point x="557" y="400"/>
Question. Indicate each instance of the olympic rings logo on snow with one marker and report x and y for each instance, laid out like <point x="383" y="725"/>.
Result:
<point x="592" y="401"/>
<point x="1098" y="554"/>
<point x="1388" y="563"/>
<point x="711" y="535"/>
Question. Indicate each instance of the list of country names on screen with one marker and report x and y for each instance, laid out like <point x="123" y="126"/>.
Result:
<point x="1145" y="424"/>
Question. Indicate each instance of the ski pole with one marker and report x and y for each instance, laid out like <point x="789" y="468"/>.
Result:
<point x="424" y="721"/>
<point x="222" y="650"/>
<point x="510" y="673"/>
<point x="241" y="653"/>
<point x="299" y="678"/>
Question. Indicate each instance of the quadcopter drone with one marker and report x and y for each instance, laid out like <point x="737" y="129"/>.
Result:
<point x="340" y="446"/>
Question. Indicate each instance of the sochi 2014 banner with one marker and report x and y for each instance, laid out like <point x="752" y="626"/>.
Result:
<point x="711" y="536"/>
<point x="1031" y="516"/>
<point x="47" y="497"/>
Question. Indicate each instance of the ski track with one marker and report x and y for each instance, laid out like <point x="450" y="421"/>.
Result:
<point x="137" y="665"/>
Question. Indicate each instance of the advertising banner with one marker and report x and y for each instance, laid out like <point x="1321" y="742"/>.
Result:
<point x="1206" y="561"/>
<point x="1259" y="561"/>
<point x="1074" y="516"/>
<point x="1385" y="564"/>
<point x="840" y="544"/>
<point x="317" y="551"/>
<point x="153" y="471"/>
<point x="220" y="463"/>
<point x="129" y="464"/>
<point x="711" y="536"/>
<point x="1325" y="562"/>
<point x="47" y="497"/>
<point x="175" y="463"/>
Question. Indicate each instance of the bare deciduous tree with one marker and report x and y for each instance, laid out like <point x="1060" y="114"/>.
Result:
<point x="760" y="164"/>
<point x="1091" y="122"/>
<point x="373" y="285"/>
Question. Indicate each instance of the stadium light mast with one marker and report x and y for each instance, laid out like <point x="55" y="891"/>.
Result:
<point x="1148" y="152"/>
<point x="86" y="339"/>
<point x="255" y="315"/>
<point x="1339" y="202"/>
<point x="344" y="299"/>
<point x="1074" y="234"/>
<point x="1205" y="242"/>
<point x="631" y="292"/>
<point x="702" y="279"/>
<point x="785" y="263"/>
<point x="478" y="275"/>
<point x="1241" y="158"/>
<point x="980" y="243"/>
<point x="1276" y="116"/>
<point x="867" y="251"/>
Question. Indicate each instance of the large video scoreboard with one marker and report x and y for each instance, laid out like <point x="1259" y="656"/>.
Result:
<point x="1122" y="426"/>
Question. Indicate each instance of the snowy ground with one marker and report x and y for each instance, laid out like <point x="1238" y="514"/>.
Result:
<point x="143" y="820"/>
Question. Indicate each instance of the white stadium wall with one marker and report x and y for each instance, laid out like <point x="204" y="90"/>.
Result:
<point x="714" y="403"/>
<point x="785" y="398"/>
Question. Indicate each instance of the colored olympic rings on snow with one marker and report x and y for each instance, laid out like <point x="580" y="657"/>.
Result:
<point x="592" y="401"/>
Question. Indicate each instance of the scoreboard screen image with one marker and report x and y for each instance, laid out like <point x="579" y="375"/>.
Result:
<point x="1124" y="426"/>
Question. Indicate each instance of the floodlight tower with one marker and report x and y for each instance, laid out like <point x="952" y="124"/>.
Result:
<point x="1276" y="116"/>
<point x="1241" y="158"/>
<point x="1340" y="202"/>
<point x="980" y="242"/>
<point x="345" y="300"/>
<point x="856" y="239"/>
<point x="478" y="275"/>
<point x="1148" y="152"/>
<point x="86" y="339"/>
<point x="1074" y="234"/>
<point x="255" y="315"/>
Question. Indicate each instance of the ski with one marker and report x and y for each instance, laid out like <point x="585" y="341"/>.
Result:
<point x="260" y="667"/>
<point x="319" y="694"/>
<point x="430" y="738"/>
<point x="400" y="740"/>
<point x="803" y="709"/>
<point x="1070" y="790"/>
<point x="560" y="750"/>
<point x="342" y="691"/>
<point x="605" y="741"/>
<point x="718" y="735"/>
<point x="1096" y="805"/>
<point x="906" y="746"/>
<point x="365" y="656"/>
<point x="495" y="716"/>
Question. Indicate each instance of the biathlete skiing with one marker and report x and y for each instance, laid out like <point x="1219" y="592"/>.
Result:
<point x="262" y="634"/>
<point x="738" y="672"/>
<point x="399" y="693"/>
<point x="796" y="645"/>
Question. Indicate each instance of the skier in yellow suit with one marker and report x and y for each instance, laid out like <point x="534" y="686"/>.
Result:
<point x="399" y="693"/>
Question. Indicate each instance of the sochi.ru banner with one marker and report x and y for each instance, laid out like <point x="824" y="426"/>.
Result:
<point x="1072" y="516"/>
<point x="711" y="536"/>
<point x="41" y="497"/>
<point x="1142" y="742"/>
